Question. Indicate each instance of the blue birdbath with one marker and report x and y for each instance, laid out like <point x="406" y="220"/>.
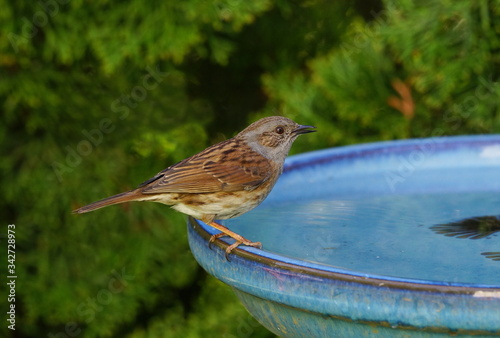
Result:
<point x="387" y="239"/>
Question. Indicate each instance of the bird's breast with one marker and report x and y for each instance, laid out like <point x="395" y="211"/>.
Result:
<point x="222" y="204"/>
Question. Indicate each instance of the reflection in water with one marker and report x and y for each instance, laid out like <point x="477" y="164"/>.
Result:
<point x="492" y="255"/>
<point x="472" y="228"/>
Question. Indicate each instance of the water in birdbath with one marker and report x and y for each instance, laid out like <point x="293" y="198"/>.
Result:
<point x="446" y="237"/>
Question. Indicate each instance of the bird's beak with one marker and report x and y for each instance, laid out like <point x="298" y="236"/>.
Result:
<point x="304" y="130"/>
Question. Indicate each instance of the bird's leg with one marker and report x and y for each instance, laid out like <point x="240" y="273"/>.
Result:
<point x="226" y="232"/>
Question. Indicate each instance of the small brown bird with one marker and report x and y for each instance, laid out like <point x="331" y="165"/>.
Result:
<point x="223" y="181"/>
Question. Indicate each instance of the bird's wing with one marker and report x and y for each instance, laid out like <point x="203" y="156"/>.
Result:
<point x="222" y="167"/>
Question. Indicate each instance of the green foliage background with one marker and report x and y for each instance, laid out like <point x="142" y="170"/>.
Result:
<point x="97" y="96"/>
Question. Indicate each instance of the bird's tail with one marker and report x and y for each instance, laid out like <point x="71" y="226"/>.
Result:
<point x="128" y="196"/>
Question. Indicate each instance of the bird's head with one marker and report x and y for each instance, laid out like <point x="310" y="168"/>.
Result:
<point x="273" y="136"/>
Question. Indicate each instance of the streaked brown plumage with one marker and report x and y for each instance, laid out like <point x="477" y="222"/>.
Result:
<point x="224" y="180"/>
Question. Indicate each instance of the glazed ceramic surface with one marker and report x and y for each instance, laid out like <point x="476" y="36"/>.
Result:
<point x="383" y="239"/>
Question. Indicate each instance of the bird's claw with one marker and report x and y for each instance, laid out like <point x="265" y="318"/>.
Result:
<point x="233" y="246"/>
<point x="214" y="237"/>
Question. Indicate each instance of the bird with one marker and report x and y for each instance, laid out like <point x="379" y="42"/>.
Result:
<point x="223" y="181"/>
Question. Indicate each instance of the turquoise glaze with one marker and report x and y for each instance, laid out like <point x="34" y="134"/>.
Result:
<point x="372" y="240"/>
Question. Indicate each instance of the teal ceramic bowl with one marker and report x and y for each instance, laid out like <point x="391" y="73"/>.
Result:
<point x="391" y="239"/>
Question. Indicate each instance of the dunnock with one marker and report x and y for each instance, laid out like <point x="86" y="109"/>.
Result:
<point x="224" y="180"/>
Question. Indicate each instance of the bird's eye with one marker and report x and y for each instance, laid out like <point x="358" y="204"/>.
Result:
<point x="279" y="130"/>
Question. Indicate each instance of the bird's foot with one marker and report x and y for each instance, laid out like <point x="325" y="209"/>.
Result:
<point x="239" y="239"/>
<point x="233" y="246"/>
<point x="214" y="237"/>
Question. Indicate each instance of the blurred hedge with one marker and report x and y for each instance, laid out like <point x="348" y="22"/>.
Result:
<point x="99" y="96"/>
